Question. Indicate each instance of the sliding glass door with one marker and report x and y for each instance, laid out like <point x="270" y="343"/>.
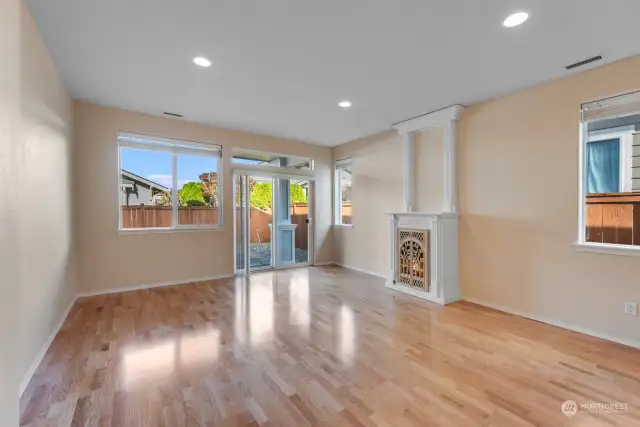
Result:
<point x="273" y="222"/>
<point x="293" y="222"/>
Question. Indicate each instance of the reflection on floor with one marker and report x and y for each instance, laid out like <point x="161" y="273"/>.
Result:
<point x="261" y="255"/>
<point x="319" y="347"/>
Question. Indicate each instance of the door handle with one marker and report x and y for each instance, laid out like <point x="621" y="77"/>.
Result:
<point x="307" y="221"/>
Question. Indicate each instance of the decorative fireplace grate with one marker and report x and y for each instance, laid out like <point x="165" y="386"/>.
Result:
<point x="413" y="258"/>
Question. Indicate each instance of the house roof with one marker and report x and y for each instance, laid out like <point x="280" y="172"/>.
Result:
<point x="142" y="180"/>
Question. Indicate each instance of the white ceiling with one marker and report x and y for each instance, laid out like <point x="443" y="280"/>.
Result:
<point x="281" y="66"/>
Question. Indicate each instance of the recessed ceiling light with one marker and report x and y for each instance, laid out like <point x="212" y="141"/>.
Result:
<point x="515" y="19"/>
<point x="345" y="104"/>
<point x="203" y="62"/>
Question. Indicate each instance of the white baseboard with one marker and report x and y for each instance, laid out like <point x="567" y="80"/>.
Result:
<point x="559" y="324"/>
<point x="360" y="270"/>
<point x="150" y="286"/>
<point x="36" y="362"/>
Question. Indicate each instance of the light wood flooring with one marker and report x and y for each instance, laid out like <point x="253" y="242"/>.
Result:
<point x="318" y="347"/>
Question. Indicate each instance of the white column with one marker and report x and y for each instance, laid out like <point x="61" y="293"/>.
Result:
<point x="408" y="181"/>
<point x="450" y="166"/>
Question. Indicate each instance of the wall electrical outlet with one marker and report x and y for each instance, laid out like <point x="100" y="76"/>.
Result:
<point x="631" y="308"/>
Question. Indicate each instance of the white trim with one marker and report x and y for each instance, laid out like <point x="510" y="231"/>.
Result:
<point x="337" y="197"/>
<point x="436" y="118"/>
<point x="311" y="226"/>
<point x="448" y="215"/>
<point x="342" y="225"/>
<point x="274" y="172"/>
<point x="408" y="181"/>
<point x="43" y="351"/>
<point x="175" y="206"/>
<point x="607" y="248"/>
<point x="418" y="293"/>
<point x="151" y="286"/>
<point x="450" y="166"/>
<point x="323" y="263"/>
<point x="626" y="163"/>
<point x="582" y="179"/>
<point x="557" y="323"/>
<point x="360" y="270"/>
<point x="162" y="230"/>
<point x="237" y="153"/>
<point x="447" y="118"/>
<point x="158" y="143"/>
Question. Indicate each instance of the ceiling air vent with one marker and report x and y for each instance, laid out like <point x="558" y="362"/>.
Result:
<point x="585" y="62"/>
<point x="173" y="114"/>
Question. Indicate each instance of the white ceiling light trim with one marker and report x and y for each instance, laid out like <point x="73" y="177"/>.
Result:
<point x="345" y="104"/>
<point x="201" y="61"/>
<point x="516" y="19"/>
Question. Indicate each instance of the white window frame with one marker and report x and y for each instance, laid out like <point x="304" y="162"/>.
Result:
<point x="267" y="168"/>
<point x="581" y="245"/>
<point x="175" y="147"/>
<point x="340" y="164"/>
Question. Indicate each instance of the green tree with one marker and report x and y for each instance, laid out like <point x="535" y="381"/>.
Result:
<point x="191" y="194"/>
<point x="297" y="194"/>
<point x="262" y="195"/>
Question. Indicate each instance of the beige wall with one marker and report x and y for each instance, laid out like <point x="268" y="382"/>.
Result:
<point x="518" y="175"/>
<point x="46" y="261"/>
<point x="108" y="260"/>
<point x="377" y="190"/>
<point x="9" y="120"/>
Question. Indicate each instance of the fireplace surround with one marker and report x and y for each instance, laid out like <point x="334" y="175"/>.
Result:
<point x="424" y="255"/>
<point x="423" y="246"/>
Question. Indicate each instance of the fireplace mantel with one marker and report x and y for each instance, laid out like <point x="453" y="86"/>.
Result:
<point x="441" y="254"/>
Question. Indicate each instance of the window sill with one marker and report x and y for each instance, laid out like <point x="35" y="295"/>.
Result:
<point x="342" y="225"/>
<point x="168" y="230"/>
<point x="607" y="249"/>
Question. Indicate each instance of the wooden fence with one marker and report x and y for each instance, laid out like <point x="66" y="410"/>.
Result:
<point x="613" y="218"/>
<point x="160" y="216"/>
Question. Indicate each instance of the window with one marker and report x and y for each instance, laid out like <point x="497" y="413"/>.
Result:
<point x="610" y="167"/>
<point x="259" y="158"/>
<point x="168" y="183"/>
<point x="344" y="192"/>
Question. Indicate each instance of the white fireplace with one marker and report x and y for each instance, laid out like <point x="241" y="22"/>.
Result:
<point x="424" y="255"/>
<point x="423" y="250"/>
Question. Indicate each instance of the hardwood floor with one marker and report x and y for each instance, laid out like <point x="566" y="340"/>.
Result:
<point x="318" y="347"/>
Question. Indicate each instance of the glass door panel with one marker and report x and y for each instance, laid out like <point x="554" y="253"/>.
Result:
<point x="261" y="196"/>
<point x="293" y="221"/>
<point x="240" y="221"/>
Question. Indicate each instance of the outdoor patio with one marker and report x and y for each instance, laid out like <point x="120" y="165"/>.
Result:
<point x="261" y="255"/>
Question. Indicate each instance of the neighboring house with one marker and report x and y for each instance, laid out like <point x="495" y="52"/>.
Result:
<point x="138" y="191"/>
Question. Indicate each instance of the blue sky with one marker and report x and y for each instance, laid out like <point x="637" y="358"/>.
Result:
<point x="156" y="166"/>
